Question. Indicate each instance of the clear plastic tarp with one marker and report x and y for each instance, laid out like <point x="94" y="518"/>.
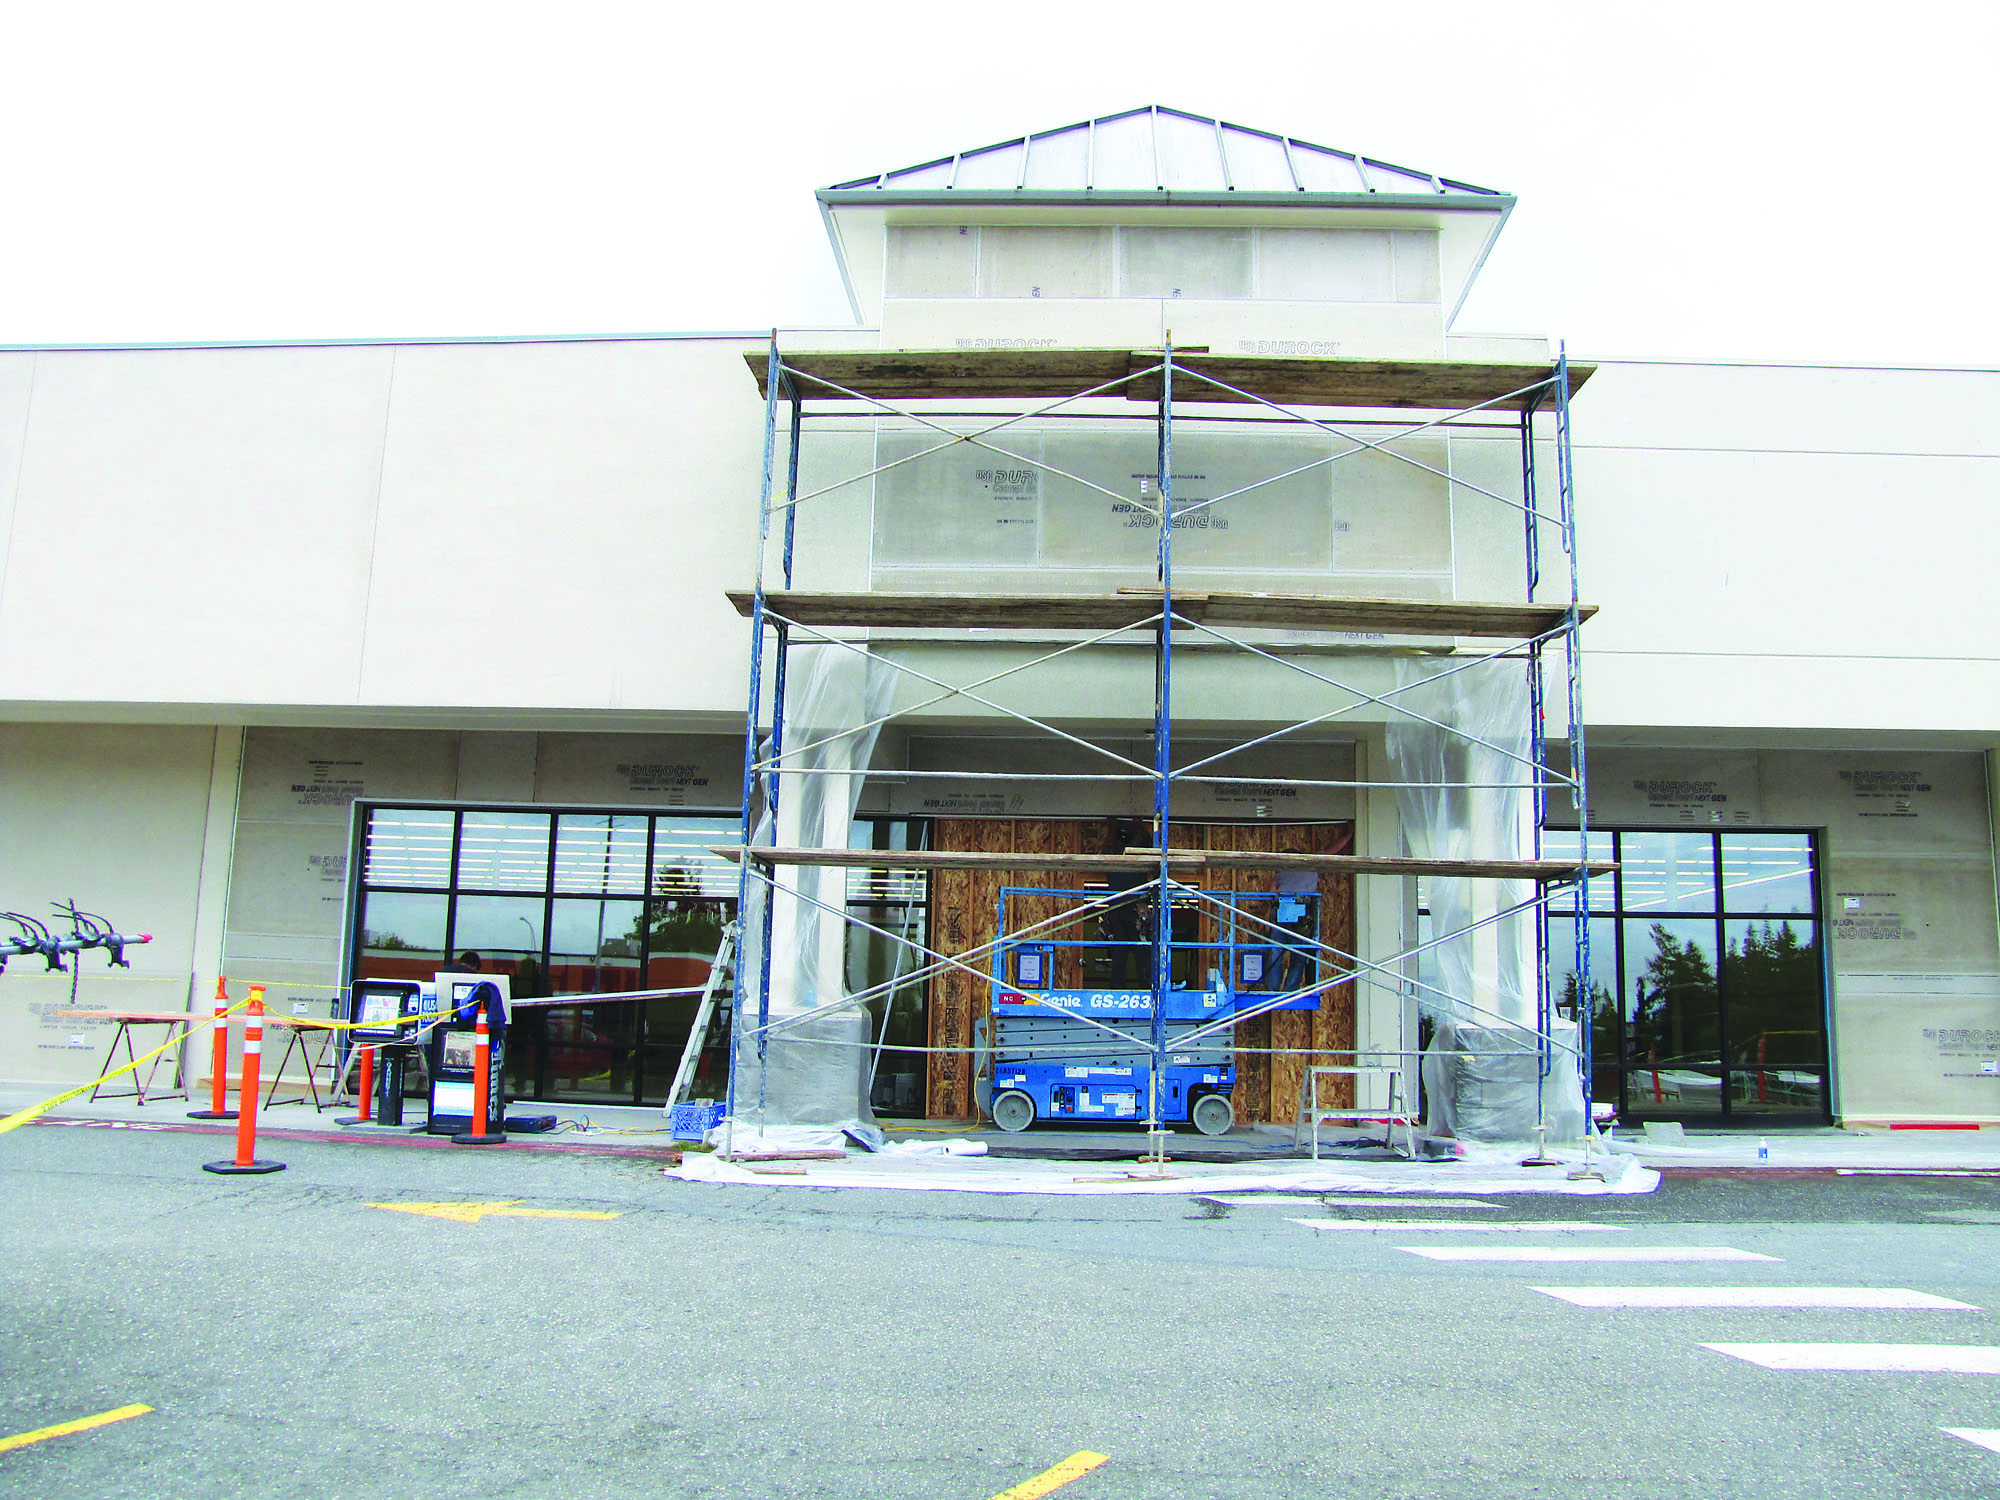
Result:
<point x="811" y="1064"/>
<point x="1462" y="753"/>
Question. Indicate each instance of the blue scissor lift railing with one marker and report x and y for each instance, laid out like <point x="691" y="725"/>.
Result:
<point x="1045" y="382"/>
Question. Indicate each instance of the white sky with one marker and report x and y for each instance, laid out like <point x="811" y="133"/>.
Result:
<point x="1789" y="182"/>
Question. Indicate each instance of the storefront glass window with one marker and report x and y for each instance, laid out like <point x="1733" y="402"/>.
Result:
<point x="407" y="846"/>
<point x="1667" y="871"/>
<point x="601" y="854"/>
<point x="1713" y="946"/>
<point x="1767" y="872"/>
<point x="597" y="903"/>
<point x="402" y="934"/>
<point x="503" y="851"/>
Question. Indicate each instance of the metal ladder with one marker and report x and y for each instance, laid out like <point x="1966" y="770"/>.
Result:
<point x="704" y="1017"/>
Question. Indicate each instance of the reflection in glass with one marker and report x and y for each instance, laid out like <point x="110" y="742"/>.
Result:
<point x="506" y="933"/>
<point x="503" y="851"/>
<point x="1771" y="976"/>
<point x="1674" y="1020"/>
<point x="408" y="846"/>
<point x="600" y="854"/>
<point x="1667" y="871"/>
<point x="1606" y="1033"/>
<point x="588" y="1049"/>
<point x="681" y="939"/>
<point x="402" y="935"/>
<point x="682" y="865"/>
<point x="878" y="967"/>
<point x="1767" y="872"/>
<point x="594" y="946"/>
<point x="884" y="884"/>
<point x="668" y="1020"/>
<point x="1562" y="843"/>
<point x="1774" y="1090"/>
<point x="1563" y="987"/>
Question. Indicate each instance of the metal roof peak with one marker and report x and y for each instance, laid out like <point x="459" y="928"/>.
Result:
<point x="1159" y="149"/>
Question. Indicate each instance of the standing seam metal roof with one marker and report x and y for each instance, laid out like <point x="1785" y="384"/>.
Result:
<point x="1157" y="149"/>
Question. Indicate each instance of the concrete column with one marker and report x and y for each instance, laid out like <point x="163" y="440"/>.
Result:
<point x="218" y="844"/>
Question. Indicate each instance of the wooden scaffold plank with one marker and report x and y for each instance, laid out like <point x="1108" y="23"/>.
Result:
<point x="1136" y="607"/>
<point x="901" y="375"/>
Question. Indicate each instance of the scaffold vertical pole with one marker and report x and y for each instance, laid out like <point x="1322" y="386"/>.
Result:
<point x="774" y="781"/>
<point x="1538" y="753"/>
<point x="745" y="875"/>
<point x="1573" y="656"/>
<point x="1163" y="699"/>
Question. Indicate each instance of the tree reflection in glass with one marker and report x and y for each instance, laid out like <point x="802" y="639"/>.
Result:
<point x="1771" y="972"/>
<point x="1675" y="1020"/>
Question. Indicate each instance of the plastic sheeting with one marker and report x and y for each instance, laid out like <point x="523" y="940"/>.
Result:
<point x="1483" y="1083"/>
<point x="812" y="1070"/>
<point x="955" y="1174"/>
<point x="1468" y="795"/>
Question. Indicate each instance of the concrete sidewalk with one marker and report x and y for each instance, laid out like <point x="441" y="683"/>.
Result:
<point x="608" y="1125"/>
<point x="1829" y="1148"/>
<point x="1824" y="1149"/>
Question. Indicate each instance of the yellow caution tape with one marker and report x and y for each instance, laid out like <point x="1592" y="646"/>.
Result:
<point x="311" y="1023"/>
<point x="36" y="1111"/>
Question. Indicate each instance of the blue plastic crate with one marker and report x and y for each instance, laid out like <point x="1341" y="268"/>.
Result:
<point x="690" y="1122"/>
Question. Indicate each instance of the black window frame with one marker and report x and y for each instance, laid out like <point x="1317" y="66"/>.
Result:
<point x="452" y="891"/>
<point x="1558" y="928"/>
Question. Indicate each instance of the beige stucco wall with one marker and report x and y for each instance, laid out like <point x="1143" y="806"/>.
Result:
<point x="1790" y="547"/>
<point x="477" y="526"/>
<point x="118" y="818"/>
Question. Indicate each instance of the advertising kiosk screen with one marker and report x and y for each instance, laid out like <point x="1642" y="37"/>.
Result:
<point x="378" y="1005"/>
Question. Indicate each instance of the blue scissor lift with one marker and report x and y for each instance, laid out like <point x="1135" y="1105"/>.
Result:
<point x="1070" y="1038"/>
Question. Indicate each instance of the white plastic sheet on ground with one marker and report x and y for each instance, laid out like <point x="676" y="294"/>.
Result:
<point x="955" y="1174"/>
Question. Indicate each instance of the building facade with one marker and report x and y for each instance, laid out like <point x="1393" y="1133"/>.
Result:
<point x="320" y="659"/>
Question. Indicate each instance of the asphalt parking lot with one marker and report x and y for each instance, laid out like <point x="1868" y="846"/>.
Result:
<point x="573" y="1324"/>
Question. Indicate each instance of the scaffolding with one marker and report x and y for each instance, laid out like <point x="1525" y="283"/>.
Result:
<point x="1350" y="403"/>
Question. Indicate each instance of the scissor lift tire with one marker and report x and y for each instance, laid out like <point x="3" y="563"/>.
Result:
<point x="1213" y="1114"/>
<point x="1013" y="1111"/>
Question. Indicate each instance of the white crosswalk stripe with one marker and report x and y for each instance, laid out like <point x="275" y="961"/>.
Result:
<point x="1986" y="1437"/>
<point x="1935" y="1359"/>
<point x="1577" y="1253"/>
<point x="1899" y="1298"/>
<point x="1449" y="1226"/>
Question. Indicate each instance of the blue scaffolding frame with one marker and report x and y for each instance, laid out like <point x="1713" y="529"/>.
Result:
<point x="1533" y="629"/>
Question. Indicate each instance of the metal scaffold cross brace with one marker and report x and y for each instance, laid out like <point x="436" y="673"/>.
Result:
<point x="837" y="753"/>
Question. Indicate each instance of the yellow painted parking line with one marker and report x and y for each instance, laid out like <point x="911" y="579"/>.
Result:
<point x="552" y="1213"/>
<point x="472" y="1213"/>
<point x="81" y="1424"/>
<point x="1074" y="1467"/>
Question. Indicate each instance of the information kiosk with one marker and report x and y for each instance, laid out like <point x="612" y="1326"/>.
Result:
<point x="380" y="1009"/>
<point x="451" y="1050"/>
